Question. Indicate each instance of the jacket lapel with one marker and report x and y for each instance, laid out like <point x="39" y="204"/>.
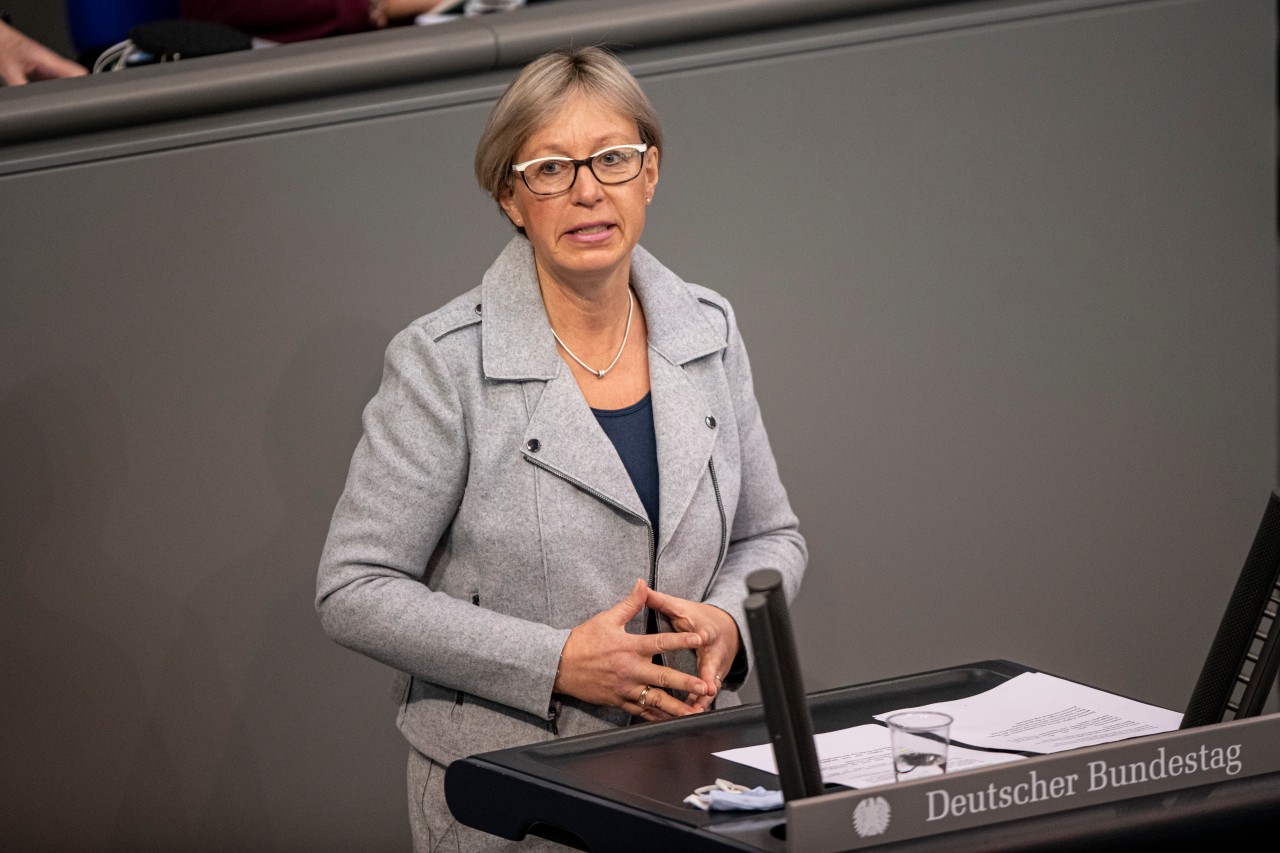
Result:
<point x="517" y="345"/>
<point x="516" y="340"/>
<point x="684" y="442"/>
<point x="678" y="335"/>
<point x="571" y="443"/>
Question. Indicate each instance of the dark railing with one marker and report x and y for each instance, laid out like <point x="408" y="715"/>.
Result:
<point x="401" y="56"/>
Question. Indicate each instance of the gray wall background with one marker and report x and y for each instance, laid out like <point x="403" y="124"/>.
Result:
<point x="1007" y="272"/>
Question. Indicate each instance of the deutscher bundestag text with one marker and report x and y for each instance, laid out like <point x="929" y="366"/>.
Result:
<point x="1101" y="775"/>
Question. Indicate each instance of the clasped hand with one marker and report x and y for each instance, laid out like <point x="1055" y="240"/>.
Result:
<point x="603" y="664"/>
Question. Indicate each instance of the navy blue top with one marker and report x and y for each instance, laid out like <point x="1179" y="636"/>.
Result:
<point x="631" y="431"/>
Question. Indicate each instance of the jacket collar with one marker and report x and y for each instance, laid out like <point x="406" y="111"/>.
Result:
<point x="517" y="341"/>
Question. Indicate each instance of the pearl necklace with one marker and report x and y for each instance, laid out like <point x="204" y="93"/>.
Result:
<point x="631" y="307"/>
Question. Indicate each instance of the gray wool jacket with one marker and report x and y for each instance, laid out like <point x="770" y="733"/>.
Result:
<point x="486" y="512"/>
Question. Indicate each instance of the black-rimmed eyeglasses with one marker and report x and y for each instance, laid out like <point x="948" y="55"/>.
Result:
<point x="551" y="175"/>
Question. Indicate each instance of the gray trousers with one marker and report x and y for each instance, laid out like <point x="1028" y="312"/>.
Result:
<point x="435" y="830"/>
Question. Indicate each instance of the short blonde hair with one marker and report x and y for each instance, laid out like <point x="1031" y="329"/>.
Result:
<point x="540" y="90"/>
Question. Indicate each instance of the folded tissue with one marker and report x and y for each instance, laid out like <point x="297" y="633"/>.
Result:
<point x="730" y="796"/>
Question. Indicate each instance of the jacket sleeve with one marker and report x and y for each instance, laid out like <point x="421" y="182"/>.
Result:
<point x="404" y="486"/>
<point x="765" y="532"/>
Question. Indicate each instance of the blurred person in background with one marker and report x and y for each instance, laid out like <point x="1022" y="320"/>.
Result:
<point x="23" y="59"/>
<point x="299" y="20"/>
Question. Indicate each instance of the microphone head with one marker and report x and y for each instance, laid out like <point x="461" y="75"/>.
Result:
<point x="764" y="580"/>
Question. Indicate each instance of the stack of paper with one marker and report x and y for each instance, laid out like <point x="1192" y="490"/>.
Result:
<point x="1032" y="712"/>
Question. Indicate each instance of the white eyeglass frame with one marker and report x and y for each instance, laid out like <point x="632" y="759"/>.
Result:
<point x="640" y="147"/>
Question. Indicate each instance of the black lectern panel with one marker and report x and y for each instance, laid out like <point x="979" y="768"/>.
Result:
<point x="621" y="790"/>
<point x="604" y="786"/>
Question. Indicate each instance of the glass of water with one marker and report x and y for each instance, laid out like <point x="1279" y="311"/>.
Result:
<point x="919" y="741"/>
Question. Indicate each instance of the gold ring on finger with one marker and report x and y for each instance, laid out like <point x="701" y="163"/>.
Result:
<point x="644" y="694"/>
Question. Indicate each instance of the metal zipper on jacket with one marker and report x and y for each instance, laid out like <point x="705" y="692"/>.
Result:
<point x="553" y="712"/>
<point x="653" y="544"/>
<point x="457" y="701"/>
<point x="724" y="529"/>
<point x="653" y="575"/>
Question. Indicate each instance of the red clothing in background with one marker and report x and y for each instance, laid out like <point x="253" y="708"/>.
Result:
<point x="283" y="20"/>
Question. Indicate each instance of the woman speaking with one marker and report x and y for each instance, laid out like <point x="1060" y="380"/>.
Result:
<point x="564" y="479"/>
